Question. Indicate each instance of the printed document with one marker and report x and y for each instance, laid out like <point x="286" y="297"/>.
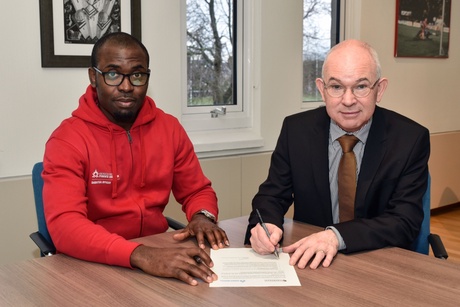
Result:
<point x="243" y="267"/>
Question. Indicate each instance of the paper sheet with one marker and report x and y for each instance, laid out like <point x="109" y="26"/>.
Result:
<point x="242" y="267"/>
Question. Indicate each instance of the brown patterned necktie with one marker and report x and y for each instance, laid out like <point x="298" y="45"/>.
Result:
<point x="347" y="178"/>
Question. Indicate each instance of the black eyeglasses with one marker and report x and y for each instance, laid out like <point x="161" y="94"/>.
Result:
<point x="360" y="91"/>
<point x="114" y="78"/>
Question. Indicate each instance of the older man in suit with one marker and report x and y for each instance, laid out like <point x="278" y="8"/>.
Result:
<point x="391" y="155"/>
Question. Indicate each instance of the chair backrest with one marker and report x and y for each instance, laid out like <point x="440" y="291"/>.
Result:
<point x="37" y="182"/>
<point x="421" y="244"/>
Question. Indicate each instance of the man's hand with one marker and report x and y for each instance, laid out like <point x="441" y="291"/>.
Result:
<point x="202" y="227"/>
<point x="318" y="247"/>
<point x="182" y="263"/>
<point x="260" y="242"/>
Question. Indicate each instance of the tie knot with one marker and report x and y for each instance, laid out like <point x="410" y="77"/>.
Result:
<point x="348" y="141"/>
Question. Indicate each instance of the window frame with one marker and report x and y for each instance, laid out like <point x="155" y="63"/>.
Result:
<point x="238" y="131"/>
<point x="239" y="115"/>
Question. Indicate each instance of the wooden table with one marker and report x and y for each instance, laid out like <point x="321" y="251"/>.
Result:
<point x="386" y="277"/>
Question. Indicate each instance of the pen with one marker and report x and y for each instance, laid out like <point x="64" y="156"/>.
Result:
<point x="266" y="231"/>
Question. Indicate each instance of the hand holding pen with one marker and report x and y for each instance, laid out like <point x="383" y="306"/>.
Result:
<point x="266" y="231"/>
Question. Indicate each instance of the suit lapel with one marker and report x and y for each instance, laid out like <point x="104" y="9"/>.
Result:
<point x="320" y="158"/>
<point x="373" y="154"/>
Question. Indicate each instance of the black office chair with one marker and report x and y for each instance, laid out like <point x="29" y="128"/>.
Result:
<point x="425" y="237"/>
<point x="42" y="237"/>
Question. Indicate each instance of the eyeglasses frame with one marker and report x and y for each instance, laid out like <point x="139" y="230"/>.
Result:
<point x="124" y="76"/>
<point x="352" y="90"/>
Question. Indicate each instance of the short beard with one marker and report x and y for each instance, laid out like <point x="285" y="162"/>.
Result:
<point x="125" y="117"/>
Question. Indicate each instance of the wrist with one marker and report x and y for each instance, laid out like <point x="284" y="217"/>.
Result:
<point x="337" y="239"/>
<point x="206" y="214"/>
<point x="137" y="257"/>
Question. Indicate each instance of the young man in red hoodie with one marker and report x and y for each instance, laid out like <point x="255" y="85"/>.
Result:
<point x="110" y="168"/>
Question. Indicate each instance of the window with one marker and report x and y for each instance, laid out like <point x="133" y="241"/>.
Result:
<point x="211" y="52"/>
<point x="320" y="33"/>
<point x="217" y="49"/>
<point x="220" y="38"/>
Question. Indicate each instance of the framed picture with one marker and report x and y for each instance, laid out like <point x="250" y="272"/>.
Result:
<point x="69" y="29"/>
<point x="422" y="28"/>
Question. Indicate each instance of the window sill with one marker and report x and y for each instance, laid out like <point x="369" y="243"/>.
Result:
<point x="225" y="142"/>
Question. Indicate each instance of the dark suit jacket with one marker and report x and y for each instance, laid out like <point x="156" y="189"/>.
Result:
<point x="391" y="183"/>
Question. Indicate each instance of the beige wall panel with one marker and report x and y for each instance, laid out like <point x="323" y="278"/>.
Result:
<point x="225" y="175"/>
<point x="254" y="172"/>
<point x="17" y="221"/>
<point x="444" y="167"/>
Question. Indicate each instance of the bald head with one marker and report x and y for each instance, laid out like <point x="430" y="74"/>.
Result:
<point x="355" y="51"/>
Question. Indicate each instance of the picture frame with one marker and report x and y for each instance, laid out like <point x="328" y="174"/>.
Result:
<point x="422" y="28"/>
<point x="55" y="49"/>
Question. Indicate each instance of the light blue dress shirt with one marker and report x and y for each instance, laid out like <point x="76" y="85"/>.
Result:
<point x="335" y="153"/>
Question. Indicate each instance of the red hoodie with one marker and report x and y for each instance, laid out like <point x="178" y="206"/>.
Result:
<point x="104" y="185"/>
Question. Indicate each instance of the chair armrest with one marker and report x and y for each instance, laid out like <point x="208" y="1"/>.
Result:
<point x="174" y="224"/>
<point x="437" y="246"/>
<point x="46" y="248"/>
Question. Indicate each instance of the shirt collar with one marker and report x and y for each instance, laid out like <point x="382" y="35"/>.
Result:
<point x="362" y="134"/>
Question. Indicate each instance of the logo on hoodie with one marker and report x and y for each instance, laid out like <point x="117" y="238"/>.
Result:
<point x="101" y="178"/>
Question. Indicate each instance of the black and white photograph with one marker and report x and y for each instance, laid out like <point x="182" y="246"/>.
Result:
<point x="87" y="21"/>
<point x="69" y="28"/>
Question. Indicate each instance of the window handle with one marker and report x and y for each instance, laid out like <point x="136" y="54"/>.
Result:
<point x="215" y="113"/>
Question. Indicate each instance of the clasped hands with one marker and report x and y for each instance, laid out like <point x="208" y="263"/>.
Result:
<point x="188" y="263"/>
<point x="318" y="247"/>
